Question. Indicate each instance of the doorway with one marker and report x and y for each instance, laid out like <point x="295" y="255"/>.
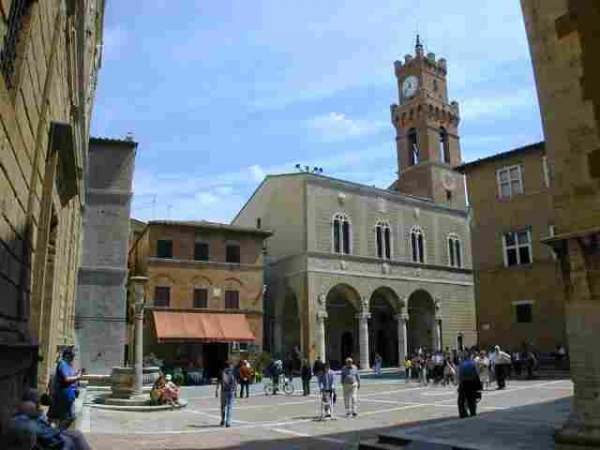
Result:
<point x="214" y="356"/>
<point x="347" y="347"/>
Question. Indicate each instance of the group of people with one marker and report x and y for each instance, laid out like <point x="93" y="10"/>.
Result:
<point x="441" y="367"/>
<point x="164" y="391"/>
<point x="31" y="428"/>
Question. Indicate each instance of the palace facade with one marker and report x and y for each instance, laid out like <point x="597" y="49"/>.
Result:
<point x="355" y="270"/>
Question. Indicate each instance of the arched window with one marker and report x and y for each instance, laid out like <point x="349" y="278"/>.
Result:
<point x="454" y="251"/>
<point x="342" y="231"/>
<point x="383" y="240"/>
<point x="444" y="147"/>
<point x="413" y="146"/>
<point x="417" y="244"/>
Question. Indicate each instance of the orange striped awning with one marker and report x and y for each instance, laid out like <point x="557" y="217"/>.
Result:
<point x="187" y="326"/>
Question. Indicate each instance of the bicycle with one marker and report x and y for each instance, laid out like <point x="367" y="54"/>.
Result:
<point x="287" y="388"/>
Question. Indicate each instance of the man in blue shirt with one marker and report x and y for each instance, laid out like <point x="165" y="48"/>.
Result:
<point x="64" y="391"/>
<point x="228" y="386"/>
<point x="469" y="388"/>
<point x="29" y="417"/>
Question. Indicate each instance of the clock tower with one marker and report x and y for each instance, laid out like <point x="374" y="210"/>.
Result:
<point x="426" y="125"/>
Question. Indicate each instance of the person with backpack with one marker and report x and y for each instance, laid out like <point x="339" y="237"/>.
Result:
<point x="306" y="375"/>
<point x="318" y="367"/>
<point x="64" y="391"/>
<point x="469" y="388"/>
<point x="276" y="370"/>
<point x="227" y="384"/>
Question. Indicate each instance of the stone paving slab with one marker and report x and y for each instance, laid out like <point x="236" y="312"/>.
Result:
<point x="528" y="427"/>
<point x="288" y="422"/>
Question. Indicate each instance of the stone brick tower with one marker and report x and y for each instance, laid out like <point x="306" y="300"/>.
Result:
<point x="427" y="131"/>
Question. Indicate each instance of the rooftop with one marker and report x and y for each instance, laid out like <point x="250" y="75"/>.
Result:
<point x="206" y="225"/>
<point x="537" y="147"/>
<point x="111" y="141"/>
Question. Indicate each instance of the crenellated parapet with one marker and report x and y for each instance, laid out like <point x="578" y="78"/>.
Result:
<point x="439" y="66"/>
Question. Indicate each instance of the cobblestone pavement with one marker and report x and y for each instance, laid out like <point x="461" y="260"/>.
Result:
<point x="289" y="422"/>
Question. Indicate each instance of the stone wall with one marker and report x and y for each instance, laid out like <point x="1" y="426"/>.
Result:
<point x="365" y="208"/>
<point x="101" y="295"/>
<point x="564" y="41"/>
<point x="279" y="204"/>
<point x="182" y="274"/>
<point x="58" y="48"/>
<point x="499" y="287"/>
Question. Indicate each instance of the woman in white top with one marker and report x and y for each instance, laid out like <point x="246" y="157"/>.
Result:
<point x="483" y="366"/>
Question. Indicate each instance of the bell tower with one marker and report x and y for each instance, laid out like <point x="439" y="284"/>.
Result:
<point x="426" y="123"/>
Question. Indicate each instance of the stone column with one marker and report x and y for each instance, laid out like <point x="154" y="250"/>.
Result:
<point x="402" y="319"/>
<point x="363" y="338"/>
<point x="138" y="286"/>
<point x="277" y="336"/>
<point x="321" y="349"/>
<point x="438" y="333"/>
<point x="580" y="258"/>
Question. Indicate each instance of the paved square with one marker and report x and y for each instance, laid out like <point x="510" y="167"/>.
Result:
<point x="290" y="421"/>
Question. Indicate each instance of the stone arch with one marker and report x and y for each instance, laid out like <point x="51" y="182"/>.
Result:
<point x="162" y="279"/>
<point x="201" y="280"/>
<point x="342" y="302"/>
<point x="232" y="282"/>
<point x="421" y="321"/>
<point x="384" y="305"/>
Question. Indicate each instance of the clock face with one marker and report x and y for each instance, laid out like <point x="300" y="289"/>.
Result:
<point x="410" y="86"/>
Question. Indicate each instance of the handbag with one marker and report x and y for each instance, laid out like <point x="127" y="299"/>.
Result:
<point x="334" y="397"/>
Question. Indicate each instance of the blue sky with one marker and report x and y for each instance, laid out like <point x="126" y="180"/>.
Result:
<point x="220" y="93"/>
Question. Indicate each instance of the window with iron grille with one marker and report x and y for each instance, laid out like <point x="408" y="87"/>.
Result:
<point x="17" y="19"/>
<point x="232" y="300"/>
<point x="232" y="254"/>
<point x="200" y="298"/>
<point x="162" y="296"/>
<point x="523" y="312"/>
<point x="164" y="248"/>
<point x="201" y="251"/>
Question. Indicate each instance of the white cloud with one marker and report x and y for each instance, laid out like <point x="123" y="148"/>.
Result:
<point x="223" y="190"/>
<point x="497" y="106"/>
<point x="219" y="197"/>
<point x="336" y="126"/>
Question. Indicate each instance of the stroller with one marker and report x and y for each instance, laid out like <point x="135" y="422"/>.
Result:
<point x="326" y="401"/>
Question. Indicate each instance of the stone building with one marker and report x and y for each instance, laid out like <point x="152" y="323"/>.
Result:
<point x="205" y="290"/>
<point x="356" y="270"/>
<point x="100" y="312"/>
<point x="50" y="53"/>
<point x="518" y="295"/>
<point x="564" y="38"/>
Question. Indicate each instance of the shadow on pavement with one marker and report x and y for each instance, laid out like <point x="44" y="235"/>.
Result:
<point x="530" y="425"/>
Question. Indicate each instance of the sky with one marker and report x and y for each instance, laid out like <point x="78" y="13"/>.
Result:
<point x="218" y="94"/>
